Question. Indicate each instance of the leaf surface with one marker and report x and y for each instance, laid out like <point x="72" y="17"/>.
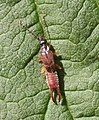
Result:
<point x="73" y="28"/>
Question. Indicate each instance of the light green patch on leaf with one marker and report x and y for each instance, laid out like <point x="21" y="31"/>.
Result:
<point x="73" y="28"/>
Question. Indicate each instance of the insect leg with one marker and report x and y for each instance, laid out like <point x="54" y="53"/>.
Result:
<point x="43" y="70"/>
<point x="58" y="67"/>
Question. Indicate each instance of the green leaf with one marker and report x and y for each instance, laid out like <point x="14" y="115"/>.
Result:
<point x="73" y="28"/>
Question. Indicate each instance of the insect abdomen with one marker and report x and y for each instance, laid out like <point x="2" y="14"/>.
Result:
<point x="52" y="80"/>
<point x="53" y="83"/>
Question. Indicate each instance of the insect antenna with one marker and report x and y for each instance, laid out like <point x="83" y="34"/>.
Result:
<point x="47" y="28"/>
<point x="26" y="28"/>
<point x="33" y="34"/>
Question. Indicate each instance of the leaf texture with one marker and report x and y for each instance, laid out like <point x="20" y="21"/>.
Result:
<point x="73" y="28"/>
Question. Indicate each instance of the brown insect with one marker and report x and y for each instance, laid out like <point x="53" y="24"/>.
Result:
<point x="50" y="67"/>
